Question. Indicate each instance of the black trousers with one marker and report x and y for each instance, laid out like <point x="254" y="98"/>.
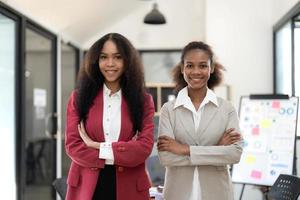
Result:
<point x="106" y="185"/>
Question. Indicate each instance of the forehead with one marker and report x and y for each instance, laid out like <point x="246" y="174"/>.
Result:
<point x="196" y="55"/>
<point x="109" y="47"/>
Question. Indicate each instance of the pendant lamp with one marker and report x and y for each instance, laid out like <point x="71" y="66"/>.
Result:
<point x="154" y="16"/>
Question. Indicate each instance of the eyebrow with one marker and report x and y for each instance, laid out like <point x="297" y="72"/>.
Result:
<point x="202" y="62"/>
<point x="108" y="53"/>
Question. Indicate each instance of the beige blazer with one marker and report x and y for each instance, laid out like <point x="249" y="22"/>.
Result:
<point x="211" y="160"/>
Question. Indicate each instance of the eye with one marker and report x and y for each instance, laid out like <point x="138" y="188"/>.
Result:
<point x="188" y="65"/>
<point x="102" y="57"/>
<point x="118" y="57"/>
<point x="202" y="66"/>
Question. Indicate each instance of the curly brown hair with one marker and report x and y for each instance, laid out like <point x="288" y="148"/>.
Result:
<point x="215" y="78"/>
<point x="90" y="78"/>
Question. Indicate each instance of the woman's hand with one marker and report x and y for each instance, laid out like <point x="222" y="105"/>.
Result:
<point x="230" y="136"/>
<point x="166" y="143"/>
<point x="86" y="139"/>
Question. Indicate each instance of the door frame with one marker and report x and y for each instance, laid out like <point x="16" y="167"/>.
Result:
<point x="53" y="38"/>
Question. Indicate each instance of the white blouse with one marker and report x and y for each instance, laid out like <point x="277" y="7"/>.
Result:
<point x="111" y="123"/>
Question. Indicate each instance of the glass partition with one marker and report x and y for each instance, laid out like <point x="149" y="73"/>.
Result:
<point x="7" y="107"/>
<point x="283" y="59"/>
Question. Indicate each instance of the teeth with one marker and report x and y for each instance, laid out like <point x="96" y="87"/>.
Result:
<point x="111" y="72"/>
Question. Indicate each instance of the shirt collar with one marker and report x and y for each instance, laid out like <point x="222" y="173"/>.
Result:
<point x="212" y="97"/>
<point x="183" y="98"/>
<point x="107" y="92"/>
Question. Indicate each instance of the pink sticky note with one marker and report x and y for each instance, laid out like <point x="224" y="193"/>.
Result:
<point x="276" y="104"/>
<point x="256" y="174"/>
<point x="255" y="131"/>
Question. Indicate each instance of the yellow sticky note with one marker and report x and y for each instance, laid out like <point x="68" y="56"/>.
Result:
<point x="265" y="123"/>
<point x="250" y="159"/>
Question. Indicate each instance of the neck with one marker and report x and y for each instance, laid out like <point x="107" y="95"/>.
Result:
<point x="197" y="95"/>
<point x="113" y="87"/>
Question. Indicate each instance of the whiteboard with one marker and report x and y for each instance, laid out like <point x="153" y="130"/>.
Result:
<point x="268" y="127"/>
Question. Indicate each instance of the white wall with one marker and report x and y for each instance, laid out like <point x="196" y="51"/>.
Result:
<point x="184" y="23"/>
<point x="280" y="8"/>
<point x="240" y="32"/>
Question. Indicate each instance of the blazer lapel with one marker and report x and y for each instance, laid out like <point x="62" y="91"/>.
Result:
<point x="98" y="115"/>
<point x="208" y="114"/>
<point x="186" y="119"/>
<point x="126" y="124"/>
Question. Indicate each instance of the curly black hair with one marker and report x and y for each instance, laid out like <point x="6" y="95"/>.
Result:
<point x="90" y="78"/>
<point x="215" y="78"/>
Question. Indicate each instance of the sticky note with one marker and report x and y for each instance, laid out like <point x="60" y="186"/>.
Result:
<point x="265" y="123"/>
<point x="276" y="104"/>
<point x="255" y="131"/>
<point x="256" y="174"/>
<point x="250" y="159"/>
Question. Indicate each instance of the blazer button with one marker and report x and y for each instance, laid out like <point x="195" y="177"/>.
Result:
<point x="120" y="169"/>
<point x="121" y="148"/>
<point x="94" y="168"/>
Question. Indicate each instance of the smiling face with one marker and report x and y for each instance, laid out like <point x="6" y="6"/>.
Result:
<point x="111" y="65"/>
<point x="196" y="69"/>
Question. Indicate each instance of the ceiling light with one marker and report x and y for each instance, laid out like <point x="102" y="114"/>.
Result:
<point x="154" y="16"/>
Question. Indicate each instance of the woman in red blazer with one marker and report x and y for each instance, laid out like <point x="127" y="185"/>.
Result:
<point x="109" y="132"/>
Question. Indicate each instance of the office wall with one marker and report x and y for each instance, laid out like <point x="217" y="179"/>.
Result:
<point x="240" y="32"/>
<point x="241" y="35"/>
<point x="281" y="7"/>
<point x="184" y="23"/>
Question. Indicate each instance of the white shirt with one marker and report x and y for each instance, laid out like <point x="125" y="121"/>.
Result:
<point x="111" y="123"/>
<point x="184" y="100"/>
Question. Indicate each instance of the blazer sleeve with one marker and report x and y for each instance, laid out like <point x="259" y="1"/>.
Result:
<point x="134" y="152"/>
<point x="219" y="155"/>
<point x="75" y="147"/>
<point x="166" y="128"/>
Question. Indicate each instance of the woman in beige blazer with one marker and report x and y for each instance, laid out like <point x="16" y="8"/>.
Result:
<point x="198" y="131"/>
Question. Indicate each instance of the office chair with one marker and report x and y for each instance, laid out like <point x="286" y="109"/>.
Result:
<point x="60" y="185"/>
<point x="286" y="187"/>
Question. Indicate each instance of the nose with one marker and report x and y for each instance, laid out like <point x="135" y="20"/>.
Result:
<point x="110" y="62"/>
<point x="196" y="70"/>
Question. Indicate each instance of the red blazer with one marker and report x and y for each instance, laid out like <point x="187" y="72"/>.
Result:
<point x="129" y="155"/>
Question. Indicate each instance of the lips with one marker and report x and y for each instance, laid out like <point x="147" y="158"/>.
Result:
<point x="111" y="72"/>
<point x="196" y="78"/>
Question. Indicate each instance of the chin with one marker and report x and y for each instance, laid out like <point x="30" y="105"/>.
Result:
<point x="111" y="79"/>
<point x="197" y="87"/>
